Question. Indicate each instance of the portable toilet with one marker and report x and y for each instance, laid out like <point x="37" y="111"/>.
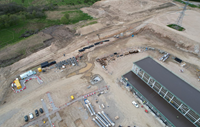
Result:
<point x="39" y="69"/>
<point x="17" y="83"/>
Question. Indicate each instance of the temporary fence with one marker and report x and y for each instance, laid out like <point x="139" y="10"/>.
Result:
<point x="39" y="80"/>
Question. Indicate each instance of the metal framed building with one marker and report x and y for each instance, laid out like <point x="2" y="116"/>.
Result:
<point x="162" y="83"/>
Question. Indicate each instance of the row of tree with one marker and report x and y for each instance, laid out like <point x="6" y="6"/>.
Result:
<point x="7" y="21"/>
<point x="78" y="2"/>
<point x="13" y="13"/>
<point x="13" y="8"/>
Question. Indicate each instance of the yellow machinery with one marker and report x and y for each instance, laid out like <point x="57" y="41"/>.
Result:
<point x="72" y="97"/>
<point x="17" y="83"/>
<point x="39" y="69"/>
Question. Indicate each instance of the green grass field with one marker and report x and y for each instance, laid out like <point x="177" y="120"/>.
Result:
<point x="77" y="15"/>
<point x="11" y="35"/>
<point x="90" y="23"/>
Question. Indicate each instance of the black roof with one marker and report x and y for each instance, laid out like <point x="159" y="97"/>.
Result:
<point x="173" y="83"/>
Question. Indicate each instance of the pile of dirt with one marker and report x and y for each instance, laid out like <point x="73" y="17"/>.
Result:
<point x="61" y="34"/>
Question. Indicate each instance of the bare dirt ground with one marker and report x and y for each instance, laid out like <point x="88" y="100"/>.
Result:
<point x="189" y="22"/>
<point x="144" y="19"/>
<point x="53" y="15"/>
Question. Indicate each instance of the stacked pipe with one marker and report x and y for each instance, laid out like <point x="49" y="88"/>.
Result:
<point x="104" y="119"/>
<point x="89" y="109"/>
<point x="100" y="122"/>
<point x="104" y="123"/>
<point x="96" y="122"/>
<point x="95" y="44"/>
<point x="164" y="57"/>
<point x="108" y="118"/>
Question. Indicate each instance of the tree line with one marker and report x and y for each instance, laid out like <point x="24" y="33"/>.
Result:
<point x="13" y="13"/>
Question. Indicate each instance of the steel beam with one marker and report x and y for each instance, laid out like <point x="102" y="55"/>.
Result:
<point x="196" y="121"/>
<point x="187" y="112"/>
<point x="137" y="71"/>
<point x="165" y="94"/>
<point x="179" y="107"/>
<point x="153" y="84"/>
<point x="160" y="90"/>
<point x="143" y="75"/>
<point x="149" y="80"/>
<point x="171" y="98"/>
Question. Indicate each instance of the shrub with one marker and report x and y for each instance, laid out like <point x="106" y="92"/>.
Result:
<point x="176" y="27"/>
<point x="64" y="20"/>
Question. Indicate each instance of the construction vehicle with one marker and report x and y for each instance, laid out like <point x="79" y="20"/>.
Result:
<point x="17" y="83"/>
<point x="72" y="97"/>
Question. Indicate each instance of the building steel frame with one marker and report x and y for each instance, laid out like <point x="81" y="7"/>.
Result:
<point x="151" y="106"/>
<point x="174" y="101"/>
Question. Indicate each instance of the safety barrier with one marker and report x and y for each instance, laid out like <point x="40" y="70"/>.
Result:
<point x="36" y="77"/>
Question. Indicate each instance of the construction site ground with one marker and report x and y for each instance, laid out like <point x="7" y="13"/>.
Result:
<point x="74" y="80"/>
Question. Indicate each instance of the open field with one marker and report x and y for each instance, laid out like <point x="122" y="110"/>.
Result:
<point x="10" y="34"/>
<point x="147" y="21"/>
<point x="13" y="34"/>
